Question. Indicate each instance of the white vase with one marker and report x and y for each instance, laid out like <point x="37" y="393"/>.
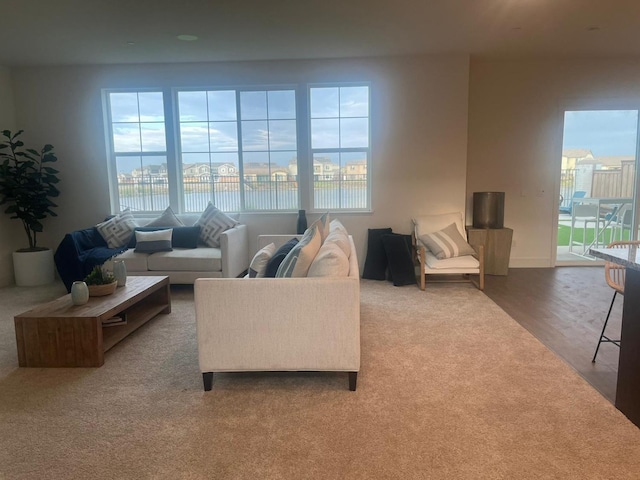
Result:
<point x="79" y="293"/>
<point x="33" y="268"/>
<point x="120" y="272"/>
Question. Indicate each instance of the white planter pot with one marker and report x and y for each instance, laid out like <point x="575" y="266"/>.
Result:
<point x="33" y="268"/>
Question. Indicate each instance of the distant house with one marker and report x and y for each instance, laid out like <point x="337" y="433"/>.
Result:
<point x="354" y="170"/>
<point x="571" y="157"/>
<point x="608" y="162"/>
<point x="264" y="172"/>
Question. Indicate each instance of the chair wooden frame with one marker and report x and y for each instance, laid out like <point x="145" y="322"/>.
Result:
<point x="614" y="274"/>
<point x="419" y="257"/>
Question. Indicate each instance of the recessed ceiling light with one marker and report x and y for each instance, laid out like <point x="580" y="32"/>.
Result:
<point x="187" y="38"/>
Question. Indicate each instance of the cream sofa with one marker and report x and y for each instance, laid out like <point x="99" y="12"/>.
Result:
<point x="279" y="324"/>
<point x="185" y="265"/>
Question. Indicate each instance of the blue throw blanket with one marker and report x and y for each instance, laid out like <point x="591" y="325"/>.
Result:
<point x="79" y="252"/>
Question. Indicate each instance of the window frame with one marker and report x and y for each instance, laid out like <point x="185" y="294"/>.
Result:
<point x="339" y="150"/>
<point x="173" y="154"/>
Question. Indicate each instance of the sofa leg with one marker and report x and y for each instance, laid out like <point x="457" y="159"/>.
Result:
<point x="353" y="378"/>
<point x="207" y="379"/>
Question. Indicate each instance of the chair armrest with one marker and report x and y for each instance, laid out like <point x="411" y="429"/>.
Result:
<point x="234" y="251"/>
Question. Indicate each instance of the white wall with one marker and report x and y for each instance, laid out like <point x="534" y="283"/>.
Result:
<point x="419" y="131"/>
<point x="10" y="230"/>
<point x="515" y="135"/>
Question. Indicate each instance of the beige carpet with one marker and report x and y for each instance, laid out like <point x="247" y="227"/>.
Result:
<point x="450" y="387"/>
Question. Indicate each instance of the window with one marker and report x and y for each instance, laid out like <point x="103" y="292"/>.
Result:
<point x="238" y="148"/>
<point x="340" y="147"/>
<point x="138" y="148"/>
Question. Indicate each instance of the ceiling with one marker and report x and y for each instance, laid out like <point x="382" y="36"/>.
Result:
<point x="88" y="32"/>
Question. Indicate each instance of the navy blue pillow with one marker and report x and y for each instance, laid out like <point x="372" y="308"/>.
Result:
<point x="278" y="257"/>
<point x="401" y="268"/>
<point x="375" y="265"/>
<point x="182" y="237"/>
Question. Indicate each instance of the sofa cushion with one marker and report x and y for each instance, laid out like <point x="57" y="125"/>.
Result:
<point x="201" y="259"/>
<point x="167" y="219"/>
<point x="340" y="238"/>
<point x="117" y="231"/>
<point x="298" y="260"/>
<point x="278" y="257"/>
<point x="330" y="261"/>
<point x="212" y="223"/>
<point x="260" y="260"/>
<point x="336" y="224"/>
<point x="135" y="262"/>
<point x="447" y="243"/>
<point x="150" y="242"/>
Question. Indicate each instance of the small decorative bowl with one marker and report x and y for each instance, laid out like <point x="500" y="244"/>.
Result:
<point x="102" y="290"/>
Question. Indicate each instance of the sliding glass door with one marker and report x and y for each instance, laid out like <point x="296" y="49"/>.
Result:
<point x="598" y="181"/>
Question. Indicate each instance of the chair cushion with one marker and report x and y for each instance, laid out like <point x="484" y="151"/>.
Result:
<point x="201" y="259"/>
<point x="258" y="265"/>
<point x="401" y="268"/>
<point x="375" y="265"/>
<point x="432" y="223"/>
<point x="466" y="262"/>
<point x="447" y="243"/>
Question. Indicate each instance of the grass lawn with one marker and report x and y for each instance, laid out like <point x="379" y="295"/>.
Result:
<point x="564" y="232"/>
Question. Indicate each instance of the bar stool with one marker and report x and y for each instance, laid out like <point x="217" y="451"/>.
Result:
<point x="614" y="275"/>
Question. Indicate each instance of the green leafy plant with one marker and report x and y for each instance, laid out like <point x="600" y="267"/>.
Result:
<point x="27" y="184"/>
<point x="99" y="276"/>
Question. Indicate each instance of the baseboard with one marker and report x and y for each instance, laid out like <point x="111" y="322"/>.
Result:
<point x="529" y="262"/>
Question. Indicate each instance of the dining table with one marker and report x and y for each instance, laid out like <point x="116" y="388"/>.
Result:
<point x="628" y="384"/>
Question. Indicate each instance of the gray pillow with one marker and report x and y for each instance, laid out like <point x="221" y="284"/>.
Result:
<point x="167" y="219"/>
<point x="447" y="243"/>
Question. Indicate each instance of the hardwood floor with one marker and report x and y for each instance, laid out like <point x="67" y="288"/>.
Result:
<point x="565" y="308"/>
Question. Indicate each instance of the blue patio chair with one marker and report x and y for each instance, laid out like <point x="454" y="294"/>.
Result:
<point x="576" y="194"/>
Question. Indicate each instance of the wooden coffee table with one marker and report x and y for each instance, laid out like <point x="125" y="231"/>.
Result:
<point x="60" y="334"/>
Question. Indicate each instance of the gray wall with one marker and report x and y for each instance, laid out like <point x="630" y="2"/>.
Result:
<point x="419" y="131"/>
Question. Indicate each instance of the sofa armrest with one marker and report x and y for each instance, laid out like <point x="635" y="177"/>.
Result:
<point x="234" y="250"/>
<point x="271" y="324"/>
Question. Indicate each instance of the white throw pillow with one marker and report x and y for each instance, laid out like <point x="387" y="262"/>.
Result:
<point x="337" y="225"/>
<point x="298" y="260"/>
<point x="117" y="231"/>
<point x="260" y="260"/>
<point x="330" y="262"/>
<point x="212" y="223"/>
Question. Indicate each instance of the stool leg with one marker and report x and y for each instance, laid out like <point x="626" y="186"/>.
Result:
<point x="605" y="326"/>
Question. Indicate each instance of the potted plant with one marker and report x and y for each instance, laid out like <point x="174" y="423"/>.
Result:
<point x="100" y="282"/>
<point x="27" y="185"/>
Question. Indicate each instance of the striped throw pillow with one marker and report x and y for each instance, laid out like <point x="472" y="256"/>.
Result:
<point x="447" y="243"/>
<point x="157" y="241"/>
<point x="212" y="223"/>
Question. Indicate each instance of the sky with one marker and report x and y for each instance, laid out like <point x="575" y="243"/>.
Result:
<point x="605" y="133"/>
<point x="208" y="123"/>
